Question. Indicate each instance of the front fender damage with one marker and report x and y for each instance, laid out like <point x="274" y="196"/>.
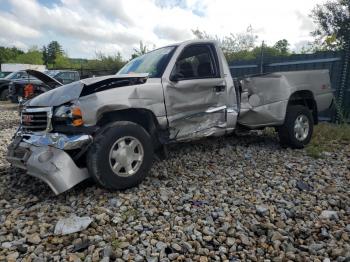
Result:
<point x="42" y="158"/>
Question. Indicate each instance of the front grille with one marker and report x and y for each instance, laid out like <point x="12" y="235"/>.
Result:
<point x="36" y="119"/>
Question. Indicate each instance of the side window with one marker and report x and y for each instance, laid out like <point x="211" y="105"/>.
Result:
<point x="196" y="61"/>
<point x="76" y="76"/>
<point x="24" y="75"/>
<point x="21" y="75"/>
<point x="66" y="77"/>
<point x="17" y="76"/>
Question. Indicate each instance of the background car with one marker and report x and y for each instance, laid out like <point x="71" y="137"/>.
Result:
<point x="3" y="74"/>
<point x="64" y="76"/>
<point x="40" y="83"/>
<point x="19" y="75"/>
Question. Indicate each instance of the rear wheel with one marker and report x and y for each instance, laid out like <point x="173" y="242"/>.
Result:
<point x="4" y="95"/>
<point x="297" y="129"/>
<point x="121" y="155"/>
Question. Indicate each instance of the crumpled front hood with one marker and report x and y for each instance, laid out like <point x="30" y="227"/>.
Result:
<point x="72" y="91"/>
<point x="58" y="96"/>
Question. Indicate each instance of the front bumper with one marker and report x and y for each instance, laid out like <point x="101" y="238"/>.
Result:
<point x="43" y="156"/>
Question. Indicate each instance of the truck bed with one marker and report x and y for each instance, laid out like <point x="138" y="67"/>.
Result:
<point x="264" y="98"/>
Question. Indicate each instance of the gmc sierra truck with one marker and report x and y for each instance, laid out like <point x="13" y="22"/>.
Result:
<point x="110" y="127"/>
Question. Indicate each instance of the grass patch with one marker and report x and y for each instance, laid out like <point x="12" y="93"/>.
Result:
<point x="328" y="138"/>
<point x="269" y="131"/>
<point x="115" y="243"/>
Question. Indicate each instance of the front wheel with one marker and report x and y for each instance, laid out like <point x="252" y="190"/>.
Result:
<point x="298" y="126"/>
<point x="121" y="155"/>
<point x="4" y="95"/>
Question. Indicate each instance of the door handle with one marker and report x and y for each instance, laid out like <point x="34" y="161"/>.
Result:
<point x="219" y="88"/>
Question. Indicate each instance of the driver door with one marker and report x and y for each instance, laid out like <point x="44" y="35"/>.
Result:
<point x="195" y="94"/>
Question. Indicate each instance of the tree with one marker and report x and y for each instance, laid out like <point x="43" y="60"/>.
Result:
<point x="234" y="46"/>
<point x="282" y="46"/>
<point x="242" y="46"/>
<point x="45" y="55"/>
<point x="332" y="20"/>
<point x="62" y="62"/>
<point x="233" y="43"/>
<point x="202" y="34"/>
<point x="143" y="49"/>
<point x="33" y="56"/>
<point x="9" y="53"/>
<point x="106" y="62"/>
<point x="333" y="33"/>
<point x="52" y="52"/>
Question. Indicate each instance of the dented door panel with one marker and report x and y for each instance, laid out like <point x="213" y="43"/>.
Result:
<point x="199" y="107"/>
<point x="194" y="107"/>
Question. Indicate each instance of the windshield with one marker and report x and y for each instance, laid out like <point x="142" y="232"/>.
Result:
<point x="20" y="75"/>
<point x="3" y="74"/>
<point x="153" y="63"/>
<point x="51" y="73"/>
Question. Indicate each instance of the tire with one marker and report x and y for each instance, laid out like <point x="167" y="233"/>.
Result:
<point x="298" y="127"/>
<point x="4" y="95"/>
<point x="108" y="151"/>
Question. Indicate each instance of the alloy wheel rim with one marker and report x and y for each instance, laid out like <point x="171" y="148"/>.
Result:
<point x="126" y="156"/>
<point x="301" y="127"/>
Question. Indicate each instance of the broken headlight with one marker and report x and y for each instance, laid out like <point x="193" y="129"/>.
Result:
<point x="68" y="114"/>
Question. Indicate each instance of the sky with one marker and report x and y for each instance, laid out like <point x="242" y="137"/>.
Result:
<point x="85" y="27"/>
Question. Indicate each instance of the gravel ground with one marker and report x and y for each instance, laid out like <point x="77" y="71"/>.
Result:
<point x="233" y="198"/>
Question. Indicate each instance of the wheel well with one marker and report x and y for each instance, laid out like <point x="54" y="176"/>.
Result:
<point x="305" y="98"/>
<point x="142" y="117"/>
<point x="4" y="87"/>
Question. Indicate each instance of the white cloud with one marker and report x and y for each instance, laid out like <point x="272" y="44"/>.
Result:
<point x="170" y="33"/>
<point x="10" y="28"/>
<point x="86" y="26"/>
<point x="11" y="43"/>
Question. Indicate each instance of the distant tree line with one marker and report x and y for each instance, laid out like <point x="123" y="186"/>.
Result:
<point x="244" y="46"/>
<point x="54" y="57"/>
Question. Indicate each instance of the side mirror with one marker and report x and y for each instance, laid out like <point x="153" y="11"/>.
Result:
<point x="176" y="77"/>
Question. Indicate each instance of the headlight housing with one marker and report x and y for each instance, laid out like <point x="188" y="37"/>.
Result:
<point x="69" y="114"/>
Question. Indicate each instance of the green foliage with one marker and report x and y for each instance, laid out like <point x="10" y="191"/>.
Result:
<point x="45" y="55"/>
<point x="9" y="53"/>
<point x="53" y="57"/>
<point x="33" y="56"/>
<point x="328" y="138"/>
<point x="105" y="62"/>
<point x="243" y="46"/>
<point x="143" y="49"/>
<point x="52" y="52"/>
<point x="231" y="44"/>
<point x="62" y="61"/>
<point x="282" y="46"/>
<point x="332" y="20"/>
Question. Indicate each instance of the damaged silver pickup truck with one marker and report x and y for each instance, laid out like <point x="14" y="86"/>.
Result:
<point x="109" y="128"/>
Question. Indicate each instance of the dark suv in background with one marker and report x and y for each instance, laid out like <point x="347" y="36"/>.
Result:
<point x="3" y="74"/>
<point x="64" y="76"/>
<point x="5" y="81"/>
<point x="26" y="89"/>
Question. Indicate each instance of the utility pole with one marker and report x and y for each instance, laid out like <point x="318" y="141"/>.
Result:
<point x="262" y="58"/>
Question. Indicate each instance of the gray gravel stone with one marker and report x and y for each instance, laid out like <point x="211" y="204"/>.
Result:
<point x="262" y="209"/>
<point x="329" y="214"/>
<point x="229" y="198"/>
